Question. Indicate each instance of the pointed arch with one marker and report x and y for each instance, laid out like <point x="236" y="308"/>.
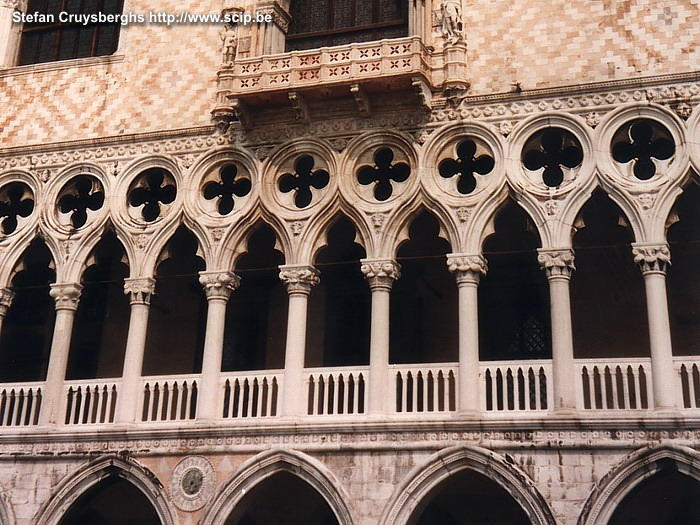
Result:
<point x="634" y="469"/>
<point x="88" y="476"/>
<point x="409" y="494"/>
<point x="265" y="465"/>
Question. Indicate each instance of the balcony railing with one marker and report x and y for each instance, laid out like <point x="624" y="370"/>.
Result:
<point x="424" y="388"/>
<point x="520" y="389"/>
<point x="20" y="404"/>
<point x="171" y="398"/>
<point x="91" y="401"/>
<point x="327" y="66"/>
<point x="614" y="384"/>
<point x="336" y="391"/>
<point x="688" y="368"/>
<point x="512" y="386"/>
<point x="251" y="394"/>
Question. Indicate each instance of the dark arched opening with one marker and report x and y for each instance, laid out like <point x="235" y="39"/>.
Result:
<point x="256" y="315"/>
<point x="101" y="323"/>
<point x="682" y="281"/>
<point x="667" y="498"/>
<point x="468" y="498"/>
<point x="339" y="307"/>
<point x="282" y="499"/>
<point x="177" y="317"/>
<point x="514" y="320"/>
<point x="424" y="324"/>
<point x="113" y="501"/>
<point x="25" y="343"/>
<point x="608" y="302"/>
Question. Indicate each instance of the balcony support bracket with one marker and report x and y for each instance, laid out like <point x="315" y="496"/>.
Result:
<point x="425" y="96"/>
<point x="301" y="110"/>
<point x="361" y="100"/>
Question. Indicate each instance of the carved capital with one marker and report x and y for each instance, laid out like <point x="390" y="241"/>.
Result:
<point x="280" y="17"/>
<point x="6" y="297"/>
<point x="467" y="268"/>
<point x="17" y="5"/>
<point x="557" y="263"/>
<point x="380" y="274"/>
<point x="655" y="258"/>
<point x="140" y="289"/>
<point x="219" y="285"/>
<point x="299" y="279"/>
<point x="66" y="295"/>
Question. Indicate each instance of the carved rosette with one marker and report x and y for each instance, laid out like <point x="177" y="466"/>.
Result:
<point x="381" y="274"/>
<point x="6" y="297"/>
<point x="219" y="285"/>
<point x="299" y="279"/>
<point x="467" y="268"/>
<point x="652" y="258"/>
<point x="557" y="263"/>
<point x="140" y="289"/>
<point x="66" y="295"/>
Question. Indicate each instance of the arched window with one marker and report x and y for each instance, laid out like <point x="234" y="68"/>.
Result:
<point x="256" y="314"/>
<point x="27" y="330"/>
<point x="424" y="305"/>
<point x="608" y="302"/>
<point x="339" y="307"/>
<point x="177" y="317"/>
<point x="101" y="324"/>
<point x="683" y="282"/>
<point x="514" y="319"/>
<point x="54" y="37"/>
<point x="318" y="23"/>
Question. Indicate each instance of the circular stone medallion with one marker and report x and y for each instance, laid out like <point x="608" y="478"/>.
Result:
<point x="192" y="483"/>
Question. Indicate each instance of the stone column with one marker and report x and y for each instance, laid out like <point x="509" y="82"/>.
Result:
<point x="559" y="265"/>
<point x="468" y="270"/>
<point x="381" y="276"/>
<point x="6" y="297"/>
<point x="218" y="287"/>
<point x="653" y="261"/>
<point x="139" y="290"/>
<point x="299" y="281"/>
<point x="66" y="296"/>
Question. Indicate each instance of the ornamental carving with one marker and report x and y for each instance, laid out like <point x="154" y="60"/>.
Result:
<point x="79" y="198"/>
<point x="219" y="285"/>
<point x="6" y="297"/>
<point x="227" y="188"/>
<point x="467" y="268"/>
<point x="642" y="143"/>
<point x="153" y="190"/>
<point x="193" y="483"/>
<point x="551" y="151"/>
<point x="557" y="262"/>
<point x="299" y="279"/>
<point x="139" y="289"/>
<point x="653" y="258"/>
<point x="380" y="274"/>
<point x="66" y="295"/>
<point x="16" y="204"/>
<point x="303" y="181"/>
<point x="469" y="161"/>
<point x="383" y="174"/>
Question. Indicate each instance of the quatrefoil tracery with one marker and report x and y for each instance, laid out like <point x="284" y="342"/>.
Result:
<point x="466" y="165"/>
<point x="302" y="180"/>
<point x="644" y="140"/>
<point x="226" y="188"/>
<point x="16" y="201"/>
<point x="82" y="194"/>
<point x="383" y="173"/>
<point x="151" y="190"/>
<point x="552" y="149"/>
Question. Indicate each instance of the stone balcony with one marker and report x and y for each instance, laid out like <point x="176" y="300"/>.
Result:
<point x="508" y="391"/>
<point x="355" y="70"/>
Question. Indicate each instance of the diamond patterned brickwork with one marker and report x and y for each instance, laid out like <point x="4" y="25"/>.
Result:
<point x="165" y="81"/>
<point x="545" y="43"/>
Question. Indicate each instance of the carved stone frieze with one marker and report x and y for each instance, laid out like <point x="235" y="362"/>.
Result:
<point x="652" y="258"/>
<point x="140" y="289"/>
<point x="299" y="279"/>
<point x="219" y="285"/>
<point x="557" y="263"/>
